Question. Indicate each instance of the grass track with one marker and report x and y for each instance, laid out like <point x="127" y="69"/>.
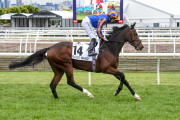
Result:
<point x="27" y="96"/>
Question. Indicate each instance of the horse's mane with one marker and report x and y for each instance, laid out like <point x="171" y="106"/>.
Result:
<point x="116" y="29"/>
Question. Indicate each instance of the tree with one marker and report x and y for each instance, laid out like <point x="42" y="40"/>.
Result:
<point x="24" y="9"/>
<point x="20" y="9"/>
<point x="1" y="11"/>
<point x="37" y="9"/>
<point x="30" y="8"/>
<point x="5" y="11"/>
<point x="14" y="9"/>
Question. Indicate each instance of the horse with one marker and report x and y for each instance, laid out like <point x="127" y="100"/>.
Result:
<point x="59" y="58"/>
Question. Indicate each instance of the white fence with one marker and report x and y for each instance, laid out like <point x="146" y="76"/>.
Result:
<point x="149" y="37"/>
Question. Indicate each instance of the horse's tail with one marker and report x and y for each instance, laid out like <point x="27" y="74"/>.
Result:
<point x="32" y="60"/>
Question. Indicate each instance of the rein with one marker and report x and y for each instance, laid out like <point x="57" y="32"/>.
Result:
<point x="110" y="43"/>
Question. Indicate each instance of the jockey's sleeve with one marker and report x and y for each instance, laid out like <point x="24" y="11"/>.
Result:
<point x="101" y="22"/>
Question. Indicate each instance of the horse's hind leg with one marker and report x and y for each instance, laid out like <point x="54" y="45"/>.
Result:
<point x="71" y="82"/>
<point x="54" y="83"/>
<point x="58" y="73"/>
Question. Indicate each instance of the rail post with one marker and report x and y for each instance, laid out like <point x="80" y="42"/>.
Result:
<point x="89" y="76"/>
<point x="71" y="35"/>
<point x="158" y="71"/>
<point x="149" y="49"/>
<point x="20" y="45"/>
<point x="26" y="42"/>
<point x="35" y="43"/>
<point x="174" y="46"/>
<point x="6" y="34"/>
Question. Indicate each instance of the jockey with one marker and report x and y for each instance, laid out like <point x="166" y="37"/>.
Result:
<point x="97" y="21"/>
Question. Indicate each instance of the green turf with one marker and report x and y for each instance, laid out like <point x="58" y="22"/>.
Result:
<point x="27" y="96"/>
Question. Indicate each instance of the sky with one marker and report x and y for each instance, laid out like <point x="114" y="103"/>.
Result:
<point x="38" y="1"/>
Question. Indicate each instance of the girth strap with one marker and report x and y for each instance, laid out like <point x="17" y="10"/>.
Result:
<point x="93" y="62"/>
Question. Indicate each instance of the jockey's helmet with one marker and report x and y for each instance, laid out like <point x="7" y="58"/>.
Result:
<point x="113" y="14"/>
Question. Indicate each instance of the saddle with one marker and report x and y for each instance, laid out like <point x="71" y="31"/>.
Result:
<point x="80" y="52"/>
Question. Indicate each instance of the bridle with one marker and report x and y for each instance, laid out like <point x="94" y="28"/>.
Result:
<point x="130" y="42"/>
<point x="133" y="40"/>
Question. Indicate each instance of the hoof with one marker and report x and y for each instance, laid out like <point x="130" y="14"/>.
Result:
<point x="116" y="93"/>
<point x="137" y="97"/>
<point x="56" y="97"/>
<point x="88" y="93"/>
<point x="91" y="96"/>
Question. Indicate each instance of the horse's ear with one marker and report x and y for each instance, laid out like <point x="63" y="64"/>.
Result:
<point x="132" y="26"/>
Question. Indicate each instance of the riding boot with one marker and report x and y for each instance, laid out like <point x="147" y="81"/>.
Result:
<point x="92" y="45"/>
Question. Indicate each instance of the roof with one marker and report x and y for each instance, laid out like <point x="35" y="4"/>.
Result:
<point x="21" y="15"/>
<point x="45" y="14"/>
<point x="26" y="14"/>
<point x="64" y="14"/>
<point x="171" y="7"/>
<point x="7" y="16"/>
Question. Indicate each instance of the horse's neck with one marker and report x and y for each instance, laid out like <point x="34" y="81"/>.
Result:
<point x="115" y="47"/>
<point x="119" y="41"/>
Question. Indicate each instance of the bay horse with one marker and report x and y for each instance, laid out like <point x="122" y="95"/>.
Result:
<point x="59" y="58"/>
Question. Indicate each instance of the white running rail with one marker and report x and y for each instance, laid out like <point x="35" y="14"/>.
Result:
<point x="149" y="38"/>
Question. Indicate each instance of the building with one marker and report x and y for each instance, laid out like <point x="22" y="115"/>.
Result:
<point x="1" y="4"/>
<point x="7" y="3"/>
<point x="39" y="19"/>
<point x="20" y="20"/>
<point x="36" y="5"/>
<point x="44" y="19"/>
<point x="19" y="2"/>
<point x="48" y="6"/>
<point x="159" y="13"/>
<point x="67" y="19"/>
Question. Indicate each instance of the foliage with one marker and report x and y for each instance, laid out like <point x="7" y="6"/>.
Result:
<point x="20" y="9"/>
<point x="27" y="96"/>
<point x="15" y="9"/>
<point x="32" y="9"/>
<point x="24" y="9"/>
<point x="65" y="9"/>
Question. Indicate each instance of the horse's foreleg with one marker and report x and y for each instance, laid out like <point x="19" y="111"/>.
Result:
<point x="119" y="89"/>
<point x="124" y="81"/>
<point x="120" y="76"/>
<point x="70" y="81"/>
<point x="131" y="90"/>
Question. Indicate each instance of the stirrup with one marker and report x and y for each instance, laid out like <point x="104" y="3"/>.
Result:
<point x="92" y="54"/>
<point x="89" y="49"/>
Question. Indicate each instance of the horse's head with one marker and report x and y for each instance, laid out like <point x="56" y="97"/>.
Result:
<point x="133" y="38"/>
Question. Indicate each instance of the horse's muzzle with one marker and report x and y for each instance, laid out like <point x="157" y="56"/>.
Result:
<point x="141" y="48"/>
